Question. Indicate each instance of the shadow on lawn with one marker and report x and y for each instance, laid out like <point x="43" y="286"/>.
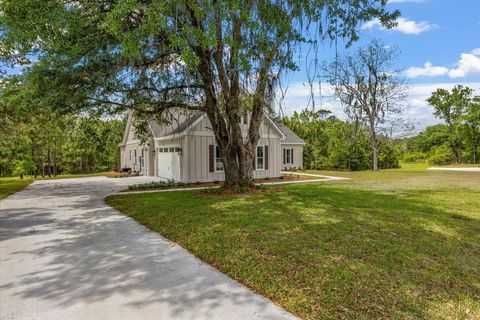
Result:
<point x="334" y="251"/>
<point x="81" y="251"/>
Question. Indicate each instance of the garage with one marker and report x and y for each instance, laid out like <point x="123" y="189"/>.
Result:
<point x="168" y="163"/>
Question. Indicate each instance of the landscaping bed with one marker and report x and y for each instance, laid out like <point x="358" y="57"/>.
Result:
<point x="163" y="185"/>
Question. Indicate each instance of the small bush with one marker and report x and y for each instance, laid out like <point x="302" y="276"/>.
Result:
<point x="156" y="185"/>
<point x="414" y="157"/>
<point x="441" y="155"/>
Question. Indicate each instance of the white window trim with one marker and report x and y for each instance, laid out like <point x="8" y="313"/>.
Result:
<point x="256" y="157"/>
<point x="215" y="146"/>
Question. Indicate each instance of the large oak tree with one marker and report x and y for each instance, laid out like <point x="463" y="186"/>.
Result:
<point x="219" y="57"/>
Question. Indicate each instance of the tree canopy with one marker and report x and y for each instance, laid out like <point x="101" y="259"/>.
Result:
<point x="150" y="56"/>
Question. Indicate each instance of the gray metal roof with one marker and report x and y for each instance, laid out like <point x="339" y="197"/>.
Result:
<point x="290" y="136"/>
<point x="176" y="126"/>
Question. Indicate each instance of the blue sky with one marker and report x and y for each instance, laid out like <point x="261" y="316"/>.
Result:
<point x="439" y="44"/>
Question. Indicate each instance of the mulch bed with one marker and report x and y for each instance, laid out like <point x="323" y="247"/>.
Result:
<point x="283" y="178"/>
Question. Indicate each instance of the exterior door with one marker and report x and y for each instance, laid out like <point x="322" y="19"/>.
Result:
<point x="169" y="165"/>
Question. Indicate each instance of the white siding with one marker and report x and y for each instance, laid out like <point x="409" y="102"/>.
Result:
<point x="196" y="156"/>
<point x="297" y="156"/>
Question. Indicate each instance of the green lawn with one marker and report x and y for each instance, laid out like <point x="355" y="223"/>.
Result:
<point x="12" y="185"/>
<point x="394" y="244"/>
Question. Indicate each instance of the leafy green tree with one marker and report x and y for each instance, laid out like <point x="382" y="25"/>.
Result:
<point x="25" y="167"/>
<point x="335" y="144"/>
<point x="450" y="106"/>
<point x="33" y="133"/>
<point x="471" y="127"/>
<point x="150" y="56"/>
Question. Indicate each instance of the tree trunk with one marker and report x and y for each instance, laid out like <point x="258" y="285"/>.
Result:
<point x="374" y="142"/>
<point x="49" y="162"/>
<point x="238" y="169"/>
<point x="375" y="156"/>
<point x="475" y="153"/>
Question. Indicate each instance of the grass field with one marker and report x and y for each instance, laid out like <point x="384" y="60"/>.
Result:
<point x="399" y="244"/>
<point x="12" y="185"/>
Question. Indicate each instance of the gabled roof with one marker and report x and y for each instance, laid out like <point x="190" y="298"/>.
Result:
<point x="181" y="127"/>
<point x="127" y="130"/>
<point x="176" y="127"/>
<point x="290" y="136"/>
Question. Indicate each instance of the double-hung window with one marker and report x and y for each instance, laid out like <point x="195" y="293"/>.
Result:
<point x="260" y="157"/>
<point x="218" y="160"/>
<point x="288" y="156"/>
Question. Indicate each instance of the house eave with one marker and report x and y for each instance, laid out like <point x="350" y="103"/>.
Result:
<point x="297" y="143"/>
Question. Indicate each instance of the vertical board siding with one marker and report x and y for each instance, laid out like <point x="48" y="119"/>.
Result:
<point x="194" y="161"/>
<point x="297" y="156"/>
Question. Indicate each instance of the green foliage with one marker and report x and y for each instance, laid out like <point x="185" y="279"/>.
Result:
<point x="156" y="185"/>
<point x="441" y="155"/>
<point x="388" y="157"/>
<point x="415" y="157"/>
<point x="25" y="167"/>
<point x="52" y="141"/>
<point x="335" y="144"/>
<point x="151" y="56"/>
<point x="456" y="141"/>
<point x="461" y="113"/>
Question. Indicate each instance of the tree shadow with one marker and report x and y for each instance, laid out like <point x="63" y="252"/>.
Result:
<point x="82" y="252"/>
<point x="341" y="251"/>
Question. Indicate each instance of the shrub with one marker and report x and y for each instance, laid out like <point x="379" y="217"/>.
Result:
<point x="156" y="185"/>
<point x="415" y="157"/>
<point x="25" y="167"/>
<point x="441" y="155"/>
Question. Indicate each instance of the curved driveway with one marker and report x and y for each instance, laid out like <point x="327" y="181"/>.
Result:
<point x="65" y="254"/>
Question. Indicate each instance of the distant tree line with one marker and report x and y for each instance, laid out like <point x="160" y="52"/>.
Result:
<point x="334" y="144"/>
<point x="455" y="141"/>
<point x="37" y="140"/>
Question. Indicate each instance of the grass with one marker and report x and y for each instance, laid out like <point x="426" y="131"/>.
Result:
<point x="108" y="174"/>
<point x="10" y="185"/>
<point x="400" y="244"/>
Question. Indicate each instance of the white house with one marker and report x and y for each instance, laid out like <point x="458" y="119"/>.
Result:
<point x="185" y="150"/>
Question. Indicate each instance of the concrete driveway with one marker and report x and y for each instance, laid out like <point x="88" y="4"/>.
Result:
<point x="65" y="254"/>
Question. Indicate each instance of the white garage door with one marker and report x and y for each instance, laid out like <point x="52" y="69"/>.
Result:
<point x="168" y="164"/>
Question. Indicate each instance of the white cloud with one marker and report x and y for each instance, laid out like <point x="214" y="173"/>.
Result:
<point x="469" y="64"/>
<point x="297" y="98"/>
<point x="371" y="24"/>
<point x="427" y="70"/>
<point x="476" y="52"/>
<point x="405" y="26"/>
